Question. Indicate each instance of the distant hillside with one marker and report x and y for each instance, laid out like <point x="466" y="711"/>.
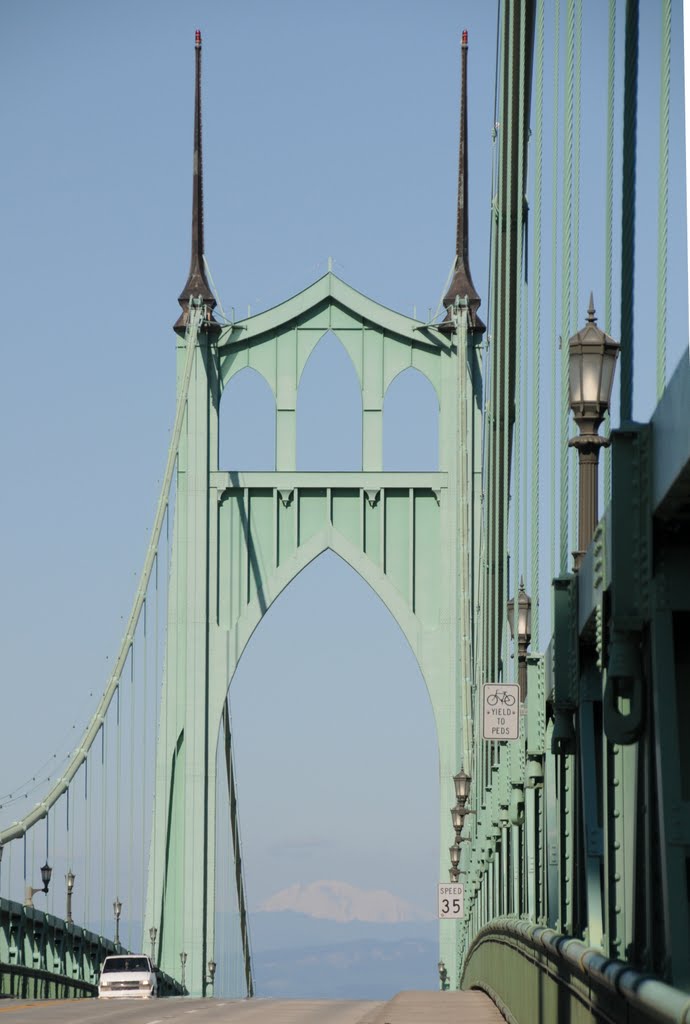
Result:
<point x="339" y="901"/>
<point x="289" y="930"/>
<point x="367" y="969"/>
<point x="331" y="940"/>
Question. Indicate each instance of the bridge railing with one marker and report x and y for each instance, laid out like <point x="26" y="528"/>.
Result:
<point x="44" y="957"/>
<point x="538" y="974"/>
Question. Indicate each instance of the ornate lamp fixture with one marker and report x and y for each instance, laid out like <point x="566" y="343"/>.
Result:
<point x="462" y="782"/>
<point x="46" y="872"/>
<point x="592" y="362"/>
<point x="454" y="872"/>
<point x="69" y="878"/>
<point x="117" y="910"/>
<point x="524" y="633"/>
<point x="458" y="813"/>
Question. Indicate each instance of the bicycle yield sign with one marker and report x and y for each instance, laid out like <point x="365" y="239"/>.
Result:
<point x="501" y="716"/>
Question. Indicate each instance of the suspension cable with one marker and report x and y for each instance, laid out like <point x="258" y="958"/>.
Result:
<point x="662" y="243"/>
<point x="608" y="300"/>
<point x="566" y="257"/>
<point x="79" y="757"/>
<point x="632" y="18"/>
<point x="555" y="405"/>
<point x="536" y="323"/>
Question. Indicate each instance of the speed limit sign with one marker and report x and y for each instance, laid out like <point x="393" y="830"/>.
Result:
<point x="451" y="900"/>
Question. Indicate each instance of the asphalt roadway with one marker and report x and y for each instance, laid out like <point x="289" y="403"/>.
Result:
<point x="405" y="1008"/>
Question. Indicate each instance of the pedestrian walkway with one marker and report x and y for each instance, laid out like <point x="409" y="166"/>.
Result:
<point x="471" y="1007"/>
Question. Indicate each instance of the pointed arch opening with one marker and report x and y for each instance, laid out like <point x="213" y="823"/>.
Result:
<point x="247" y="424"/>
<point x="336" y="758"/>
<point x="329" y="410"/>
<point x="410" y="424"/>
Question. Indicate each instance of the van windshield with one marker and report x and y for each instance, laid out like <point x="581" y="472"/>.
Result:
<point x="126" y="963"/>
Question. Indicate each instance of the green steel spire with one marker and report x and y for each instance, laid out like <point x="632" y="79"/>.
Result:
<point x="461" y="287"/>
<point x="197" y="286"/>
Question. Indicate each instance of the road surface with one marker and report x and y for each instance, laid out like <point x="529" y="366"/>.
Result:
<point x="405" y="1008"/>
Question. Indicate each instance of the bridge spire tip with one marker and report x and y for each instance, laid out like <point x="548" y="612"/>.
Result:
<point x="461" y="287"/>
<point x="197" y="285"/>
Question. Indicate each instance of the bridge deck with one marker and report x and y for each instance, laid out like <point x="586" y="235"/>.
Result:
<point x="471" y="1007"/>
<point x="405" y="1008"/>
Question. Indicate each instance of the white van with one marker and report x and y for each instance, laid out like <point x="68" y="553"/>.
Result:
<point x="130" y="975"/>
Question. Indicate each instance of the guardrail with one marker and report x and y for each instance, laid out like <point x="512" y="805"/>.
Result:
<point x="44" y="957"/>
<point x="564" y="971"/>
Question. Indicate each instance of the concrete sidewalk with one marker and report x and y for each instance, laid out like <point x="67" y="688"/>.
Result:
<point x="471" y="1007"/>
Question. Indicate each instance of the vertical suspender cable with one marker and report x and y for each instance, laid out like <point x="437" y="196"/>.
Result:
<point x="49" y="901"/>
<point x="118" y="770"/>
<point x="157" y="692"/>
<point x="70" y="835"/>
<point x="536" y="322"/>
<point x="87" y="843"/>
<point x="130" y="845"/>
<point x="632" y="19"/>
<point x="555" y="404"/>
<point x="566" y="265"/>
<point x="493" y="490"/>
<point x="608" y="298"/>
<point x="662" y="243"/>
<point x="503" y="463"/>
<point x="102" y="837"/>
<point x="143" y="777"/>
<point x="489" y="419"/>
<point x="518" y="336"/>
<point x="575" y="283"/>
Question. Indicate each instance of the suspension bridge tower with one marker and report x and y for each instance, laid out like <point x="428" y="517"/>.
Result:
<point x="240" y="538"/>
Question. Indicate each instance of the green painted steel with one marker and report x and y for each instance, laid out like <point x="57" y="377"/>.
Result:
<point x="583" y="824"/>
<point x="241" y="538"/>
<point x="536" y="974"/>
<point x="576" y="853"/>
<point x="43" y="957"/>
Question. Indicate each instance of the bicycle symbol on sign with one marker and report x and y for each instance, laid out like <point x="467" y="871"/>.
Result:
<point x="500" y="697"/>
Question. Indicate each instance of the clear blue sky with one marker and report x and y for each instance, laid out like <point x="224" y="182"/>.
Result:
<point x="329" y="130"/>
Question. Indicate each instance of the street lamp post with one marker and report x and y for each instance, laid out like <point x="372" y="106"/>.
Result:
<point x="442" y="974"/>
<point x="153" y="933"/>
<point x="46" y="872"/>
<point x="117" y="910"/>
<point x="183" y="961"/>
<point x="523" y="633"/>
<point x="592" y="363"/>
<point x="211" y="972"/>
<point x="69" y="878"/>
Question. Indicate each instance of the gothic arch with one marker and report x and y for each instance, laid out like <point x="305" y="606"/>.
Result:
<point x="411" y="423"/>
<point x="247" y="422"/>
<point x="329" y="409"/>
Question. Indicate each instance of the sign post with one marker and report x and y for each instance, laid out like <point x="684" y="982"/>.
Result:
<point x="501" y="714"/>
